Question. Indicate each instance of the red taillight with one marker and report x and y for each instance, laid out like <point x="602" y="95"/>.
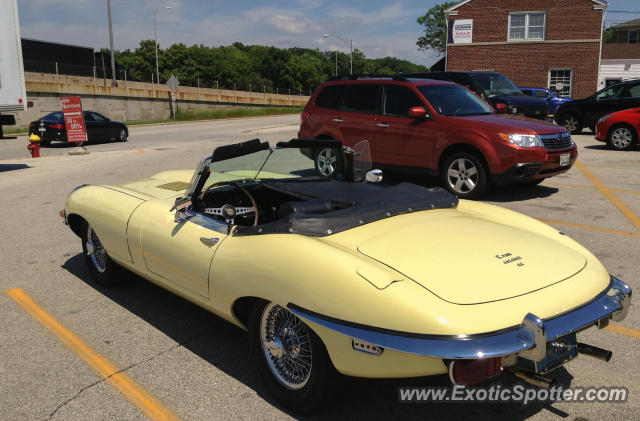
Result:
<point x="32" y="125"/>
<point x="304" y="117"/>
<point x="56" y="126"/>
<point x="469" y="372"/>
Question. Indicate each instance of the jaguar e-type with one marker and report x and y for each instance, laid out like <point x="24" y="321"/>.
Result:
<point x="344" y="274"/>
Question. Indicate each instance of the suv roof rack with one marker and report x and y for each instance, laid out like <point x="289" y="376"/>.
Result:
<point x="397" y="76"/>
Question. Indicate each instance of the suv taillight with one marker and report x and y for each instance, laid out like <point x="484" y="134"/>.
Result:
<point x="32" y="125"/>
<point x="56" y="126"/>
<point x="304" y="117"/>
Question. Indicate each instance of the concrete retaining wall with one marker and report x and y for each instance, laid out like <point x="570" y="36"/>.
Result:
<point x="131" y="101"/>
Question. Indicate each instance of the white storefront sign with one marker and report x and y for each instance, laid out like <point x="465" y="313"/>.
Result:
<point x="462" y="31"/>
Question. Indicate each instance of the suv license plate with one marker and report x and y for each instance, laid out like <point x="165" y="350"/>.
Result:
<point x="564" y="159"/>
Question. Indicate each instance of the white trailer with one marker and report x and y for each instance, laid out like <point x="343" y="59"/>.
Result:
<point x="13" y="95"/>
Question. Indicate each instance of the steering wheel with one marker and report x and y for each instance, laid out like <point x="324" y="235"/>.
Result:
<point x="229" y="212"/>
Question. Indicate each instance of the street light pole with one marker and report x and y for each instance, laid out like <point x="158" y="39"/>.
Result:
<point x="113" y="60"/>
<point x="155" y="38"/>
<point x="347" y="41"/>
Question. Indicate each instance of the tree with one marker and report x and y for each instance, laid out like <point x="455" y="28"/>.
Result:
<point x="435" y="28"/>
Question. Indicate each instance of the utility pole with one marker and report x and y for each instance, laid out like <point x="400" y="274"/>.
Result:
<point x="113" y="60"/>
<point x="347" y="41"/>
<point x="155" y="37"/>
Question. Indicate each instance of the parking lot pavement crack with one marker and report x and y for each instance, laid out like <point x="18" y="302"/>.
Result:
<point x="122" y="370"/>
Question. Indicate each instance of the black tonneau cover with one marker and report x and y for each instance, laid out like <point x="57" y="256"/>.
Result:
<point x="356" y="204"/>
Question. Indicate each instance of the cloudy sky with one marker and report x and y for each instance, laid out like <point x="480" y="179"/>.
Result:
<point x="378" y="27"/>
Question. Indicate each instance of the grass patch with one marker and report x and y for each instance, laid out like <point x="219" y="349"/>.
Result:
<point x="13" y="130"/>
<point x="235" y="112"/>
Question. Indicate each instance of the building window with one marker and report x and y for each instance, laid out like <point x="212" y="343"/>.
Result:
<point x="633" y="36"/>
<point x="526" y="26"/>
<point x="560" y="82"/>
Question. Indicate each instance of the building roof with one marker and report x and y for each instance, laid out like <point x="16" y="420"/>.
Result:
<point x="463" y="2"/>
<point x="627" y="25"/>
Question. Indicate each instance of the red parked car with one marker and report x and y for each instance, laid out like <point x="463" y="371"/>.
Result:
<point x="435" y="126"/>
<point x="619" y="129"/>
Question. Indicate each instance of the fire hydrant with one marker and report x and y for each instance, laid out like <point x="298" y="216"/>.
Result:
<point x="34" y="145"/>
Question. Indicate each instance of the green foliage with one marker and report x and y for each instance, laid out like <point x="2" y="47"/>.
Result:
<point x="435" y="28"/>
<point x="607" y="36"/>
<point x="252" y="67"/>
<point x="235" y="112"/>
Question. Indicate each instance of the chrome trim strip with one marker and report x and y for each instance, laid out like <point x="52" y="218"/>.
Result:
<point x="613" y="301"/>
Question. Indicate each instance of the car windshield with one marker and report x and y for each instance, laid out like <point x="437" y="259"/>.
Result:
<point x="454" y="100"/>
<point x="267" y="164"/>
<point x="286" y="163"/>
<point x="493" y="84"/>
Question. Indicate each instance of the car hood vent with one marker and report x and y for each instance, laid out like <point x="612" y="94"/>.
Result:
<point x="174" y="186"/>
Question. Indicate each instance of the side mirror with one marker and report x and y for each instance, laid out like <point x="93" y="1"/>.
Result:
<point x="501" y="108"/>
<point x="373" y="176"/>
<point x="419" y="112"/>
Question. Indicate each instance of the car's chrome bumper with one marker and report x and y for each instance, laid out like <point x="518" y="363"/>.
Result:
<point x="527" y="340"/>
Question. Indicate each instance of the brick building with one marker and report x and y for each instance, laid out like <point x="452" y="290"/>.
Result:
<point x="541" y="43"/>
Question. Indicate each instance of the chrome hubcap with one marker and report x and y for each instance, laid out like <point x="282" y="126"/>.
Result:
<point x="326" y="161"/>
<point x="571" y="123"/>
<point x="123" y="135"/>
<point x="621" y="137"/>
<point x="462" y="175"/>
<point x="286" y="345"/>
<point x="95" y="251"/>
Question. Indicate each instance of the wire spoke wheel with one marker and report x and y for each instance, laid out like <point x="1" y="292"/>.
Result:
<point x="286" y="344"/>
<point x="462" y="175"/>
<point x="96" y="251"/>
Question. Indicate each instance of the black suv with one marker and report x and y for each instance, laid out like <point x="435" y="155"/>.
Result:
<point x="576" y="115"/>
<point x="495" y="88"/>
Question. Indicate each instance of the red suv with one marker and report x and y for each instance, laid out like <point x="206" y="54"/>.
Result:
<point x="436" y="126"/>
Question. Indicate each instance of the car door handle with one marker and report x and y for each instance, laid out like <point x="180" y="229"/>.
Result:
<point x="382" y="124"/>
<point x="337" y="119"/>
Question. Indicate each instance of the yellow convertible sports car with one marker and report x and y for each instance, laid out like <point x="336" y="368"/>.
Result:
<point x="342" y="274"/>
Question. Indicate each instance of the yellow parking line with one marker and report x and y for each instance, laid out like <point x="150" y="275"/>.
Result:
<point x="141" y="150"/>
<point x="121" y="381"/>
<point x="587" y="227"/>
<point x="615" y="168"/>
<point x="577" y="186"/>
<point x="621" y="206"/>
<point x="624" y="330"/>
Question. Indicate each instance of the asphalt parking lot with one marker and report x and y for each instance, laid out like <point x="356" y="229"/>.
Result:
<point x="80" y="351"/>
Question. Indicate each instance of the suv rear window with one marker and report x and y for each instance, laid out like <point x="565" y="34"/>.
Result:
<point x="361" y="98"/>
<point x="330" y="97"/>
<point x="454" y="100"/>
<point x="495" y="84"/>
